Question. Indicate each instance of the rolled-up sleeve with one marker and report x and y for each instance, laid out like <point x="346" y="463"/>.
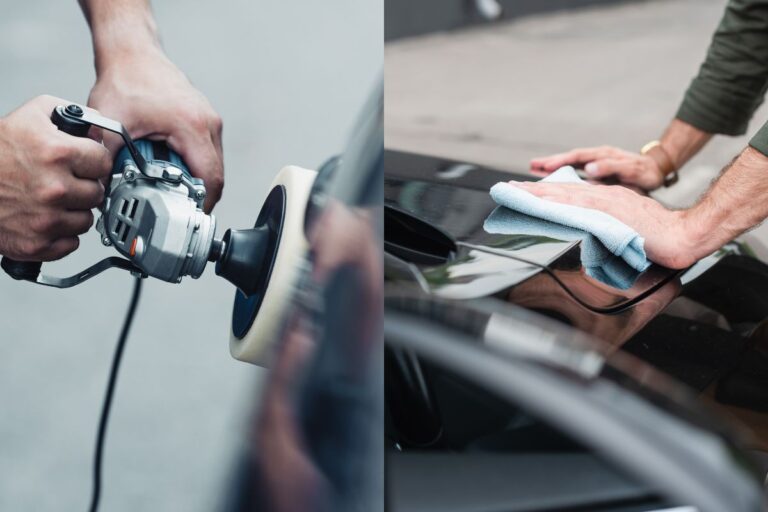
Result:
<point x="732" y="80"/>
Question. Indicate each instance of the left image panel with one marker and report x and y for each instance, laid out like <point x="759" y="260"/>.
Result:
<point x="190" y="232"/>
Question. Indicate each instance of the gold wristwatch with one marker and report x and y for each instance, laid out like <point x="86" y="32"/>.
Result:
<point x="667" y="167"/>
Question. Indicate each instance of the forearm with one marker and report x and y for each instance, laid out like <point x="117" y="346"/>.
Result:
<point x="737" y="202"/>
<point x="681" y="141"/>
<point x="119" y="28"/>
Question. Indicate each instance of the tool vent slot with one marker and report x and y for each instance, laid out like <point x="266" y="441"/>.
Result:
<point x="124" y="207"/>
<point x="134" y="207"/>
<point x="118" y="227"/>
<point x="124" y="233"/>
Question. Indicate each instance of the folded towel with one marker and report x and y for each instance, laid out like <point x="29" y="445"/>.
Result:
<point x="597" y="261"/>
<point x="521" y="212"/>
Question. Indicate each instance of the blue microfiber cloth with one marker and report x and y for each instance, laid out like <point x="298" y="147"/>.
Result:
<point x="603" y="236"/>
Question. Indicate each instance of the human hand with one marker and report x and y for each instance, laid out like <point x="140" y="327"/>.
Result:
<point x="668" y="234"/>
<point x="152" y="98"/>
<point x="49" y="182"/>
<point x="606" y="161"/>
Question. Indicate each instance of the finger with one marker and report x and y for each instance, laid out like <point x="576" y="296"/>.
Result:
<point x="573" y="157"/>
<point x="554" y="162"/>
<point x="539" y="173"/>
<point x="96" y="134"/>
<point x="550" y="163"/>
<point x="551" y="190"/>
<point x="594" y="197"/>
<point x="59" y="248"/>
<point x="216" y="136"/>
<point x="203" y="160"/>
<point x="83" y="194"/>
<point x="217" y="176"/>
<point x="48" y="103"/>
<point x="538" y="186"/>
<point x="63" y="224"/>
<point x="86" y="158"/>
<point x="609" y="167"/>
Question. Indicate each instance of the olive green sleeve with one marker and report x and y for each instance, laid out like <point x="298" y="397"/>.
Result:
<point x="733" y="78"/>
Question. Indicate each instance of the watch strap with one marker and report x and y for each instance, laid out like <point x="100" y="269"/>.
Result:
<point x="667" y="167"/>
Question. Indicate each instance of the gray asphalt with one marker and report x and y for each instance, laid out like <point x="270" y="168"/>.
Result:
<point x="288" y="78"/>
<point x="501" y="94"/>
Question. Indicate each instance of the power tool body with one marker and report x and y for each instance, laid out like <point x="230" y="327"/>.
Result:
<point x="153" y="215"/>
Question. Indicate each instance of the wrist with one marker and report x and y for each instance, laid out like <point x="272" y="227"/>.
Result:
<point x="664" y="162"/>
<point x="120" y="35"/>
<point x="115" y="56"/>
<point x="693" y="231"/>
<point x="707" y="228"/>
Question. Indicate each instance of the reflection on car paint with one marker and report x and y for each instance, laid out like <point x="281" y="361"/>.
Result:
<point x="597" y="261"/>
<point x="732" y="370"/>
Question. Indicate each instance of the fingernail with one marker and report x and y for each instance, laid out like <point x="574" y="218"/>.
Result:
<point x="591" y="168"/>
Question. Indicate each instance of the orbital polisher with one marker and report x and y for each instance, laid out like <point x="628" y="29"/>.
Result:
<point x="153" y="216"/>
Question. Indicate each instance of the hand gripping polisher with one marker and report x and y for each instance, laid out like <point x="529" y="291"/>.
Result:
<point x="153" y="216"/>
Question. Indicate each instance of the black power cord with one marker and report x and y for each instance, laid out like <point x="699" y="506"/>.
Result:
<point x="107" y="403"/>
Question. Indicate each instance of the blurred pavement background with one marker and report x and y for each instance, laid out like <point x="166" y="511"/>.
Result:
<point x="288" y="78"/>
<point x="501" y="93"/>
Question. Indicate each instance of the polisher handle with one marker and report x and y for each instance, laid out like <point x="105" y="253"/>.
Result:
<point x="155" y="151"/>
<point x="29" y="270"/>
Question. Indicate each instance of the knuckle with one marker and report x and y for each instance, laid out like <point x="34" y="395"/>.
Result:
<point x="216" y="182"/>
<point x="197" y="120"/>
<point x="34" y="247"/>
<point x="55" y="151"/>
<point x="87" y="222"/>
<point x="217" y="123"/>
<point x="52" y="192"/>
<point x="616" y="190"/>
<point x="97" y="197"/>
<point x="45" y="223"/>
<point x="58" y="250"/>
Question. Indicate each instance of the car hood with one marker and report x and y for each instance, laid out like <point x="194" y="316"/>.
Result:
<point x="453" y="199"/>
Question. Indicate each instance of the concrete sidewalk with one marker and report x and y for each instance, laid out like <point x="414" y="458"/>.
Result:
<point x="502" y="94"/>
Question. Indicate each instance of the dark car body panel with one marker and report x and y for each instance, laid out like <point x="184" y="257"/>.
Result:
<point x="458" y="202"/>
<point x="703" y="327"/>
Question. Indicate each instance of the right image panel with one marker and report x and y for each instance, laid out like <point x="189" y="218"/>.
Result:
<point x="576" y="276"/>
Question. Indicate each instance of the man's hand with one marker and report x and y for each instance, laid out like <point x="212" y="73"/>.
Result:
<point x="139" y="86"/>
<point x="680" y="142"/>
<point x="49" y="182"/>
<point x="606" y="161"/>
<point x="736" y="202"/>
<point x="152" y="98"/>
<point x="669" y="238"/>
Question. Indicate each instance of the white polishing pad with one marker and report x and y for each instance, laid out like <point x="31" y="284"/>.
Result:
<point x="256" y="346"/>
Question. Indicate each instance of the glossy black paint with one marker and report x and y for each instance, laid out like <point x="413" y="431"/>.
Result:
<point x="457" y="202"/>
<point x="554" y="402"/>
<point x="704" y="329"/>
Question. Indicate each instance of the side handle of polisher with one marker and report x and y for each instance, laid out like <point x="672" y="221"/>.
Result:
<point x="29" y="270"/>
